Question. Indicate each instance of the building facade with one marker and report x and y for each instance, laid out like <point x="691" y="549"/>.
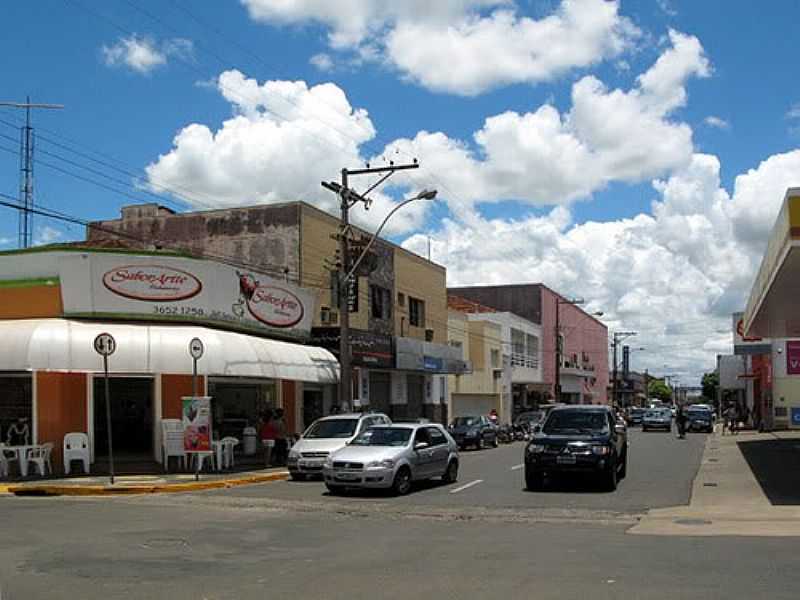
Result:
<point x="54" y="302"/>
<point x="398" y="313"/>
<point x="584" y="341"/>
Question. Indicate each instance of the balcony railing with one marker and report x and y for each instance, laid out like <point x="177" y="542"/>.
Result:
<point x="525" y="360"/>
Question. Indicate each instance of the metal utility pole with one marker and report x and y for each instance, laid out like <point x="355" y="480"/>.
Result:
<point x="618" y="337"/>
<point x="25" y="231"/>
<point x="348" y="291"/>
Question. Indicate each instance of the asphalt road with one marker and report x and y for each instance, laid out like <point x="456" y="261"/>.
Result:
<point x="291" y="540"/>
<point x="660" y="473"/>
<point x="171" y="547"/>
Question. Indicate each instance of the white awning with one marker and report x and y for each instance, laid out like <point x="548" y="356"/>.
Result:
<point x="67" y="345"/>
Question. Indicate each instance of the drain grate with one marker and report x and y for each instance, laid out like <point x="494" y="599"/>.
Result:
<point x="713" y="460"/>
<point x="692" y="522"/>
<point x="710" y="484"/>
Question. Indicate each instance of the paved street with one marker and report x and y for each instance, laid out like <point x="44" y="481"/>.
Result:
<point x="291" y="539"/>
<point x="660" y="473"/>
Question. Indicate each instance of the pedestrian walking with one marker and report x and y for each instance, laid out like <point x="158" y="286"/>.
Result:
<point x="680" y="421"/>
<point x="281" y="443"/>
<point x="269" y="434"/>
<point x="731" y="415"/>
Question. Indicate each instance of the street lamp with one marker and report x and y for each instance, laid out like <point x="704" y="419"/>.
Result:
<point x="423" y="195"/>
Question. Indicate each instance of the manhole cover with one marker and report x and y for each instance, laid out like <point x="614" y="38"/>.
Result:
<point x="692" y="522"/>
<point x="709" y="484"/>
<point x="713" y="460"/>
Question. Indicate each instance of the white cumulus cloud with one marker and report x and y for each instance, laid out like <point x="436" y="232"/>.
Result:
<point x="464" y="46"/>
<point x="144" y="54"/>
<point x="716" y="122"/>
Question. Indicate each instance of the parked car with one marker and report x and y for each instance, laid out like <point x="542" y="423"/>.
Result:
<point x="700" y="419"/>
<point x="475" y="431"/>
<point x="326" y="435"/>
<point x="635" y="416"/>
<point x="657" y="418"/>
<point x="578" y="440"/>
<point x="393" y="457"/>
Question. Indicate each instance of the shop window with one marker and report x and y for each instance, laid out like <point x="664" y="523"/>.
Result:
<point x="16" y="402"/>
<point x="381" y="302"/>
<point x="416" y="312"/>
<point x="401" y="299"/>
<point x="495" y="358"/>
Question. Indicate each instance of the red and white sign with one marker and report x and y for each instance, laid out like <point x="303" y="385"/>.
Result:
<point x="793" y="358"/>
<point x="275" y="306"/>
<point x="152" y="283"/>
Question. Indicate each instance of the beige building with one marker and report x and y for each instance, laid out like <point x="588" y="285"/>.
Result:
<point x="399" y="323"/>
<point x="487" y="386"/>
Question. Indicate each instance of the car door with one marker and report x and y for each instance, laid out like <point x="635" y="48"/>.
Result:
<point x="440" y="451"/>
<point x="422" y="458"/>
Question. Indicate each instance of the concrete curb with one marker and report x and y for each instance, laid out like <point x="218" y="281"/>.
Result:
<point x="122" y="490"/>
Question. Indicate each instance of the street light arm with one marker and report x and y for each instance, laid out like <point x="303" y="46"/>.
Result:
<point x="427" y="195"/>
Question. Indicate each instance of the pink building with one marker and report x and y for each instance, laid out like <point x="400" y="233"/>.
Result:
<point x="584" y="369"/>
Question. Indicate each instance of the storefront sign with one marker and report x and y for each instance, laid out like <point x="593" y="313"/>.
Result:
<point x="367" y="349"/>
<point x="275" y="306"/>
<point x="168" y="288"/>
<point x="197" y="424"/>
<point x="431" y="363"/>
<point x="793" y="358"/>
<point x="155" y="283"/>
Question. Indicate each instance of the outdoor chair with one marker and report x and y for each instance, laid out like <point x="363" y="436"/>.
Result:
<point x="172" y="442"/>
<point x="39" y="456"/>
<point x="6" y="458"/>
<point x="228" y="444"/>
<point x="76" y="447"/>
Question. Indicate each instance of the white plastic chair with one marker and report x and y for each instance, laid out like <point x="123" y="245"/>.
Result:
<point x="228" y="444"/>
<point x="4" y="468"/>
<point x="76" y="447"/>
<point x="201" y="458"/>
<point x="40" y="457"/>
<point x="172" y="442"/>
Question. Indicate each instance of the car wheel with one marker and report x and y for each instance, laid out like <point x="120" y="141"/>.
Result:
<point x="334" y="490"/>
<point x="495" y="444"/>
<point x="481" y="443"/>
<point x="402" y="482"/>
<point x="451" y="473"/>
<point x="610" y="476"/>
<point x="534" y="480"/>
<point x="623" y="470"/>
<point x="298" y="476"/>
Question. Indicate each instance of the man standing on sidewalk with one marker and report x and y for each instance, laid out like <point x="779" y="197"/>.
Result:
<point x="680" y="421"/>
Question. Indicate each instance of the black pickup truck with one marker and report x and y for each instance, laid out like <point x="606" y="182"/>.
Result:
<point x="579" y="440"/>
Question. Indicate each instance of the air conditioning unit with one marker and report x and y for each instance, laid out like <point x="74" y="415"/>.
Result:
<point x="328" y="316"/>
<point x="429" y="335"/>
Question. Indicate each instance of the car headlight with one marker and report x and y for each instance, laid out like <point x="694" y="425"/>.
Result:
<point x="328" y="464"/>
<point x="536" y="448"/>
<point x="381" y="464"/>
<point x="293" y="455"/>
<point x="601" y="450"/>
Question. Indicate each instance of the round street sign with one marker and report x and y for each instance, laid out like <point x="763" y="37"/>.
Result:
<point x="196" y="348"/>
<point x="105" y="344"/>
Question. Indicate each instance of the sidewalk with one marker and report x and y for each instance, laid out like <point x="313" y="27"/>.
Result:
<point x="746" y="485"/>
<point x="141" y="484"/>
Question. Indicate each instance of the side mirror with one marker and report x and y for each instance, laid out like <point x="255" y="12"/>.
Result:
<point x="420" y="445"/>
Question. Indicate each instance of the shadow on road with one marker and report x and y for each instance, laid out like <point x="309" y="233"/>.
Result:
<point x="571" y="485"/>
<point x="419" y="486"/>
<point x="776" y="466"/>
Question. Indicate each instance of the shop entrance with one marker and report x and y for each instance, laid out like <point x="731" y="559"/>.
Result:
<point x="16" y="404"/>
<point x="240" y="403"/>
<point x="313" y="405"/>
<point x="131" y="418"/>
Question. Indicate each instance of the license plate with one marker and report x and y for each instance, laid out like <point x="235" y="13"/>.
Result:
<point x="347" y="476"/>
<point x="565" y="460"/>
<point x="311" y="463"/>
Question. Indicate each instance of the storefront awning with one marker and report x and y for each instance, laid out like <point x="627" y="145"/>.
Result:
<point x="66" y="345"/>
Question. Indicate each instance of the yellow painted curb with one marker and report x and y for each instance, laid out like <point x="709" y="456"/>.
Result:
<point x="4" y="490"/>
<point x="121" y="490"/>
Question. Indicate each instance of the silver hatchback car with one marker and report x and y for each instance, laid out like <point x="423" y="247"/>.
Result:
<point x="393" y="457"/>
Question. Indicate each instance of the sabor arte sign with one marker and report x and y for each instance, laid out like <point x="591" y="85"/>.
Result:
<point x="182" y="289"/>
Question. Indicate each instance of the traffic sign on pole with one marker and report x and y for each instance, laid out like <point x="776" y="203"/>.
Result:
<point x="105" y="345"/>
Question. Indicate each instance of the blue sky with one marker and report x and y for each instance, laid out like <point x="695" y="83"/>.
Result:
<point x="735" y="67"/>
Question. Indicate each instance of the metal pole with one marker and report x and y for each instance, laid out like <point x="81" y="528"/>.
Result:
<point x="194" y="377"/>
<point x="344" y="298"/>
<point x="558" y="355"/>
<point x="614" y="376"/>
<point x="108" y="420"/>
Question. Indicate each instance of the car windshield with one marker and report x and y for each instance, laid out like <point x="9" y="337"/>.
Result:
<point x="658" y="414"/>
<point x="383" y="436"/>
<point x="332" y="428"/>
<point x="465" y="421"/>
<point x="637" y="411"/>
<point x="699" y="412"/>
<point x="576" y="421"/>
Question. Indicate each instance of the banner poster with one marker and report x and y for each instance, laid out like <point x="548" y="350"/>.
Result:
<point x="197" y="423"/>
